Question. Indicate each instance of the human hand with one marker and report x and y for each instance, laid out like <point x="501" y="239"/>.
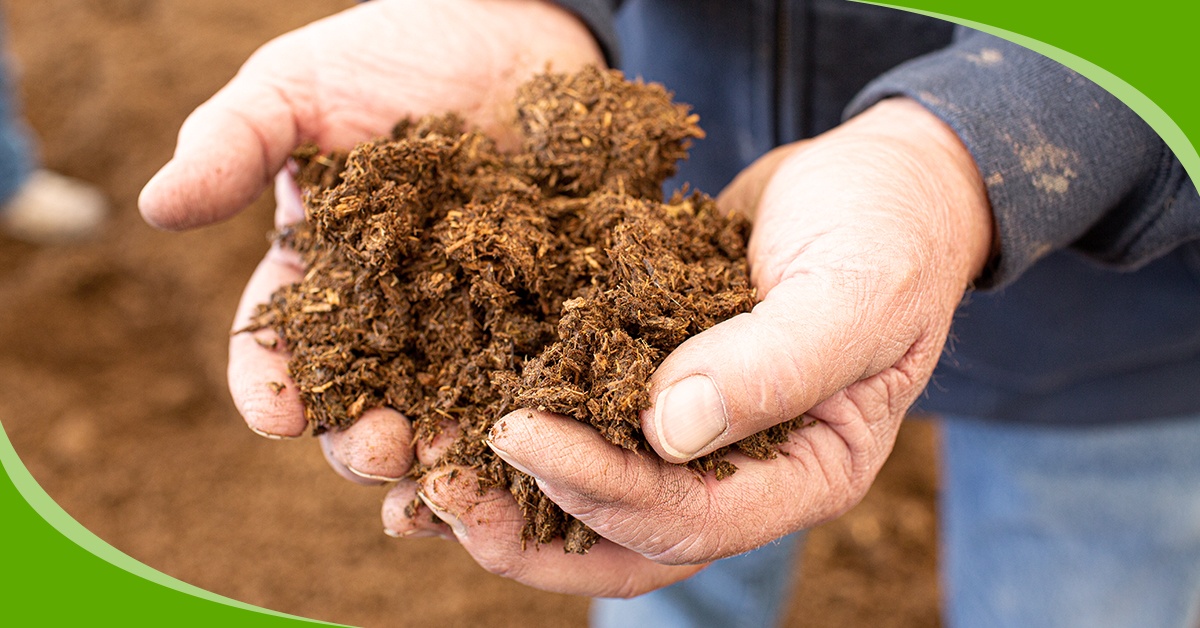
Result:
<point x="864" y="242"/>
<point x="336" y="82"/>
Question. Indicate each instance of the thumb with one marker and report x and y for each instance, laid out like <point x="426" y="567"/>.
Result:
<point x="759" y="369"/>
<point x="228" y="150"/>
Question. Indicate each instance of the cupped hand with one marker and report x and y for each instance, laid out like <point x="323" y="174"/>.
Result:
<point x="338" y="81"/>
<point x="865" y="240"/>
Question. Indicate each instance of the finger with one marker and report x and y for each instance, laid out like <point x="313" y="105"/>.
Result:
<point x="406" y="516"/>
<point x="339" y="467"/>
<point x="225" y="155"/>
<point x="668" y="512"/>
<point x="262" y="390"/>
<point x="430" y="450"/>
<point x="231" y="147"/>
<point x="489" y="526"/>
<point x="377" y="448"/>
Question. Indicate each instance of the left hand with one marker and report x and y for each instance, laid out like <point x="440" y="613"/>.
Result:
<point x="865" y="240"/>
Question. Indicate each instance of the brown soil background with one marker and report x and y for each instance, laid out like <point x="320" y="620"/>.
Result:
<point x="113" y="358"/>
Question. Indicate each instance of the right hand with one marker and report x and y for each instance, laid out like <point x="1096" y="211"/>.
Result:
<point x="336" y="82"/>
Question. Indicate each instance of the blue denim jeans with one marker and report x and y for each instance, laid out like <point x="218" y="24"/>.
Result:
<point x="1041" y="527"/>
<point x="1096" y="526"/>
<point x="16" y="154"/>
<point x="745" y="591"/>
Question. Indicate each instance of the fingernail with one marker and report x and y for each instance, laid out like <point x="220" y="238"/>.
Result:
<point x="415" y="533"/>
<point x="370" y="476"/>
<point x="460" y="530"/>
<point x="689" y="415"/>
<point x="505" y="456"/>
<point x="270" y="435"/>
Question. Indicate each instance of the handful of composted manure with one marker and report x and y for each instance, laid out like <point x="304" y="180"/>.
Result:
<point x="455" y="282"/>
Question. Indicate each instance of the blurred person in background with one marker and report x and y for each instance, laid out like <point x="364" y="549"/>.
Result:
<point x="38" y="205"/>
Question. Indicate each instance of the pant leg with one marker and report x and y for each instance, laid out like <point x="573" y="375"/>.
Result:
<point x="1056" y="527"/>
<point x="746" y="591"/>
<point x="16" y="149"/>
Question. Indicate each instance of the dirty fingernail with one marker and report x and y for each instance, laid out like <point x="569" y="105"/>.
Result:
<point x="460" y="530"/>
<point x="689" y="415"/>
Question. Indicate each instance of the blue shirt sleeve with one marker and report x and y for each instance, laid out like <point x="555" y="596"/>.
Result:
<point x="1066" y="164"/>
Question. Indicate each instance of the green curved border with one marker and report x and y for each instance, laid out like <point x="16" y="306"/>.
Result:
<point x="64" y="572"/>
<point x="1154" y="115"/>
<point x="57" y="572"/>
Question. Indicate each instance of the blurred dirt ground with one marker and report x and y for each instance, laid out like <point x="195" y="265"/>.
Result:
<point x="113" y="357"/>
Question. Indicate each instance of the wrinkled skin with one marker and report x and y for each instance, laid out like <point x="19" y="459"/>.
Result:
<point x="865" y="239"/>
